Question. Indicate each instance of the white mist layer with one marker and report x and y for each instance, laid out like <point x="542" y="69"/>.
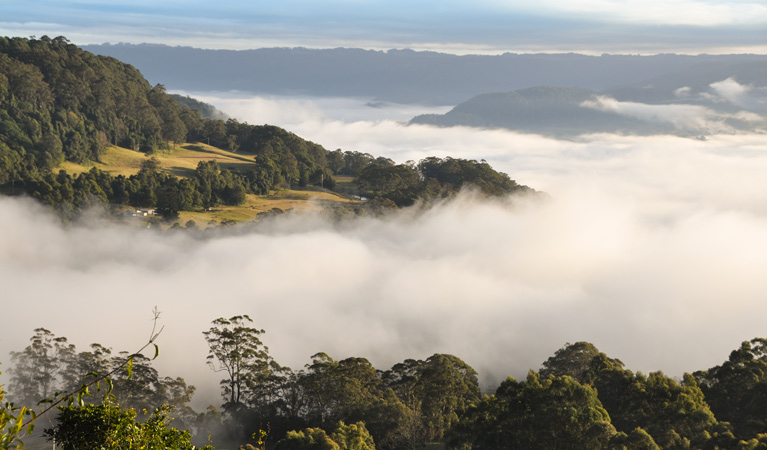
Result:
<point x="654" y="249"/>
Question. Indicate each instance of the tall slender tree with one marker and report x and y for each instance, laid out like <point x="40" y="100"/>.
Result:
<point x="236" y="349"/>
<point x="37" y="370"/>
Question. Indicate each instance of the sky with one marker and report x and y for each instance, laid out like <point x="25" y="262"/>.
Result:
<point x="452" y="26"/>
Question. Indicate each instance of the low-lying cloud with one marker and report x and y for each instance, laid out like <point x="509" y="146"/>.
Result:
<point x="652" y="248"/>
<point x="683" y="117"/>
<point x="744" y="96"/>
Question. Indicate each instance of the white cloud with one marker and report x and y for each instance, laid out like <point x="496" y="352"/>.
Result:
<point x="743" y="96"/>
<point x="683" y="92"/>
<point x="691" y="118"/>
<point x="660" y="12"/>
<point x="490" y="27"/>
<point x="289" y="111"/>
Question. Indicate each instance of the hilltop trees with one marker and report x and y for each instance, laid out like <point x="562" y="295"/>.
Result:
<point x="576" y="361"/>
<point x="681" y="419"/>
<point x="84" y="100"/>
<point x="737" y="389"/>
<point x="432" y="178"/>
<point x="554" y="413"/>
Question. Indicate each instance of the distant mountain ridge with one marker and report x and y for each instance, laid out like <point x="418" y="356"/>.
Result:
<point x="709" y="99"/>
<point x="400" y="76"/>
<point x="542" y="109"/>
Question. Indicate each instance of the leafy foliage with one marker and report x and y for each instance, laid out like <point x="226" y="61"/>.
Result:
<point x="109" y="426"/>
<point x="353" y="437"/>
<point x="346" y="437"/>
<point x="432" y="178"/>
<point x="12" y="420"/>
<point x="737" y="389"/>
<point x="556" y="413"/>
<point x="308" y="439"/>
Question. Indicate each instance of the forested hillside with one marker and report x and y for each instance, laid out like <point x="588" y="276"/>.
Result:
<point x="59" y="103"/>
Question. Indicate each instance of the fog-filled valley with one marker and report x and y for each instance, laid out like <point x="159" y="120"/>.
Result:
<point x="651" y="248"/>
<point x="545" y="267"/>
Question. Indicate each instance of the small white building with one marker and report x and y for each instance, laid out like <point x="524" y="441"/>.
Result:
<point x="138" y="212"/>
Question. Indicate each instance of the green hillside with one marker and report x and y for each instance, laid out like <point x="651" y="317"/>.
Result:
<point x="98" y="120"/>
<point x="79" y="130"/>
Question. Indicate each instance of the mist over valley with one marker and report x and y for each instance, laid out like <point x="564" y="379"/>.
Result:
<point x="639" y="244"/>
<point x="384" y="225"/>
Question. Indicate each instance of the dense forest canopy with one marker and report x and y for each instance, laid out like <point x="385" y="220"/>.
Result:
<point x="578" y="399"/>
<point x="60" y="103"/>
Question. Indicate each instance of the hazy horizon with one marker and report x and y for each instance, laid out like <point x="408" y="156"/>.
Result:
<point x="458" y="27"/>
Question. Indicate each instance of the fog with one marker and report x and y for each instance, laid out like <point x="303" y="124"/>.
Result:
<point x="651" y="248"/>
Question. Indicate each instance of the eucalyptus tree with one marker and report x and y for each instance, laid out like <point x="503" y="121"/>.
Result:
<point x="38" y="370"/>
<point x="554" y="413"/>
<point x="337" y="390"/>
<point x="235" y="349"/>
<point x="737" y="389"/>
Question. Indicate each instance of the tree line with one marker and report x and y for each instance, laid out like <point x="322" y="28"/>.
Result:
<point x="404" y="184"/>
<point x="579" y="399"/>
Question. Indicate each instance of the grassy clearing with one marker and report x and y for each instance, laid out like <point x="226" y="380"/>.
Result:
<point x="115" y="161"/>
<point x="183" y="160"/>
<point x="180" y="161"/>
<point x="345" y="185"/>
<point x="284" y="199"/>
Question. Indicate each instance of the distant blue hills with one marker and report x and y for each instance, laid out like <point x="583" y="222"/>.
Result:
<point x="557" y="94"/>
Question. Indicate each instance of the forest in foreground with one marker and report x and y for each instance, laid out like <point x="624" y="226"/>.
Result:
<point x="579" y="398"/>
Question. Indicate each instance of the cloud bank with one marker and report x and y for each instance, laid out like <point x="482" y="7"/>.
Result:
<point x="651" y="248"/>
<point x="690" y="118"/>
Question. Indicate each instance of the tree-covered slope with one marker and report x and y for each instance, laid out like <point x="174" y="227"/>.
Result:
<point x="207" y="110"/>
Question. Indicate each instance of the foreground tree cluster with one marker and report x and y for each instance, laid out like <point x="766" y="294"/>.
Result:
<point x="579" y="399"/>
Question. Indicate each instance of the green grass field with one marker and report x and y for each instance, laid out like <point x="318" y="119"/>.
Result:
<point x="284" y="199"/>
<point x="180" y="161"/>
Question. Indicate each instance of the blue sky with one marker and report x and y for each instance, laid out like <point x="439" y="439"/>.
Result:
<point x="457" y="26"/>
